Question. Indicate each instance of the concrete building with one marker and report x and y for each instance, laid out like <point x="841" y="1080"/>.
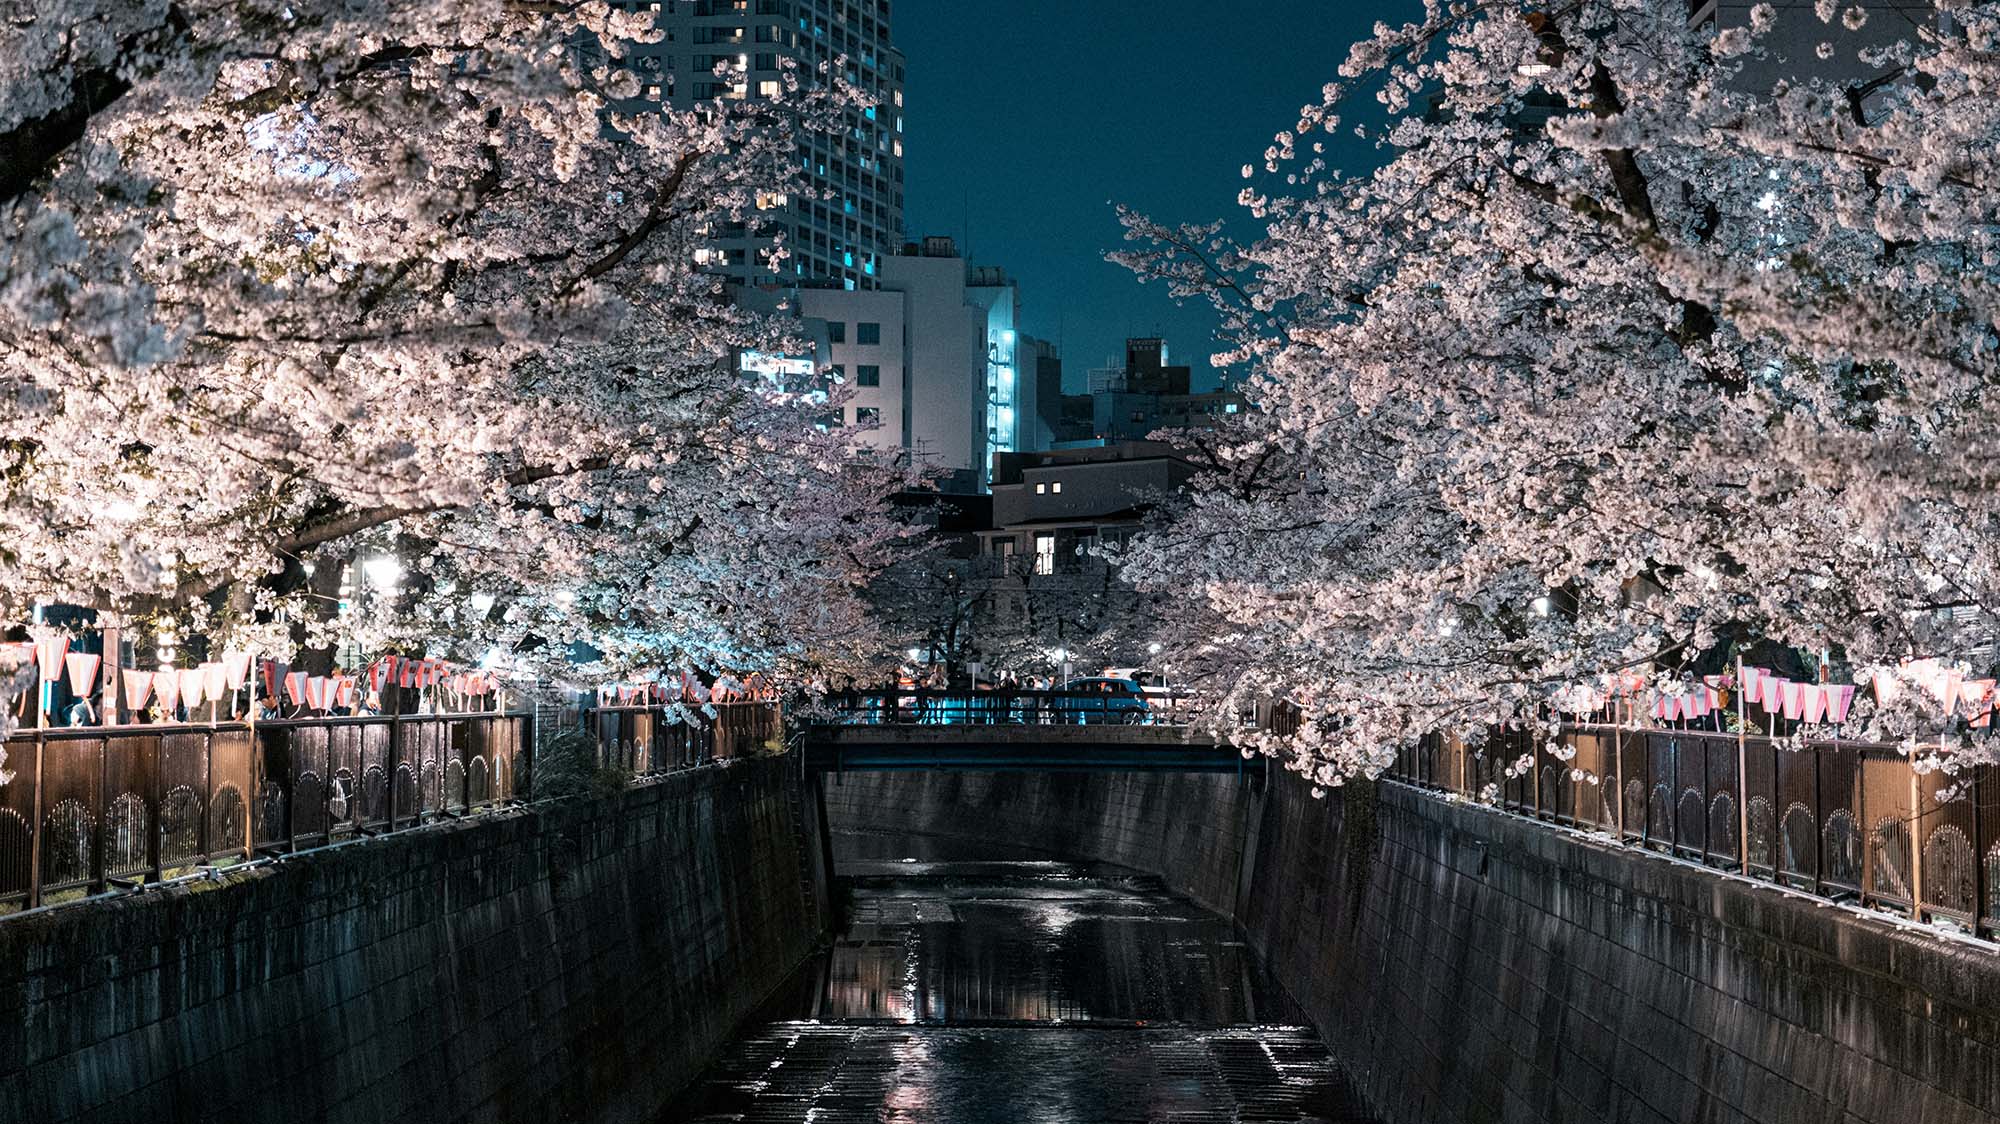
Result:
<point x="1050" y="508"/>
<point x="933" y="359"/>
<point x="837" y="241"/>
<point x="865" y="356"/>
<point x="1126" y="403"/>
<point x="1131" y="416"/>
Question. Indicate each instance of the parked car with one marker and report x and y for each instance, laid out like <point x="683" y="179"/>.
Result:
<point x="1103" y="699"/>
<point x="1150" y="681"/>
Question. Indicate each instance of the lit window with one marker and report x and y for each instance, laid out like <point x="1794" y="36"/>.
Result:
<point x="1045" y="554"/>
<point x="1056" y="487"/>
<point x="1041" y="489"/>
<point x="767" y="89"/>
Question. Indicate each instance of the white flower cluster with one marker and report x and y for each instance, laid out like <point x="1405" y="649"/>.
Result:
<point x="287" y="286"/>
<point x="1619" y="358"/>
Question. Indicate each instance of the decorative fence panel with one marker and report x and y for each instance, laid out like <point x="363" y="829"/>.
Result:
<point x="93" y="808"/>
<point x="1844" y="820"/>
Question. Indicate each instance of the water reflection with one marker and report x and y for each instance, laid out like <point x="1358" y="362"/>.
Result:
<point x="1033" y="991"/>
<point x="970" y="943"/>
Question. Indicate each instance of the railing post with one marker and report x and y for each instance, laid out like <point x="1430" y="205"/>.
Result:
<point x="395" y="763"/>
<point x="1618" y="764"/>
<point x="1743" y="781"/>
<point x="97" y="863"/>
<point x="1979" y="903"/>
<point x="35" y="829"/>
<point x="154" y="871"/>
<point x="208" y="797"/>
<point x="1819" y="817"/>
<point x="291" y="790"/>
<point x="1917" y="848"/>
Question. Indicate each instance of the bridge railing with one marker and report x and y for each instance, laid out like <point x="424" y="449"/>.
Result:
<point x="1009" y="707"/>
<point x="91" y="808"/>
<point x="1848" y="821"/>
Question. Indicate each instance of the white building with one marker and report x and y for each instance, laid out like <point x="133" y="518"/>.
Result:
<point x="931" y="359"/>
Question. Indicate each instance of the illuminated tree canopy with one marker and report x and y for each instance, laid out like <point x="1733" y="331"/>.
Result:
<point x="1624" y="353"/>
<point x="290" y="284"/>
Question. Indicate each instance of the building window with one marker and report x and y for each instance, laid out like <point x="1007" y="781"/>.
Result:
<point x="868" y="331"/>
<point x="836" y="331"/>
<point x="1056" y="487"/>
<point x="1041" y="489"/>
<point x="867" y="415"/>
<point x="1045" y="554"/>
<point x="839" y="372"/>
<point x="868" y="374"/>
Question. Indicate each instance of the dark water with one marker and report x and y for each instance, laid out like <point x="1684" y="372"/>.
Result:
<point x="1024" y="992"/>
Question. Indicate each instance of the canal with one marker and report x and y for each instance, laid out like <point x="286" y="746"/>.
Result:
<point x="970" y="991"/>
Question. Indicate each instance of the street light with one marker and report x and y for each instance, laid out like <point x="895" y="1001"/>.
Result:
<point x="383" y="571"/>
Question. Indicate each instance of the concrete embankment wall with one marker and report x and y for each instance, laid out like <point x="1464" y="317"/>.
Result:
<point x="575" y="961"/>
<point x="1474" y="967"/>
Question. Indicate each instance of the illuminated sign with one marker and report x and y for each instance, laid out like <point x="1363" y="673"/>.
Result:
<point x="774" y="366"/>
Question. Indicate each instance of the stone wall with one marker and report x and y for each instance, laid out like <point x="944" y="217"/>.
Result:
<point x="567" y="962"/>
<point x="1475" y="967"/>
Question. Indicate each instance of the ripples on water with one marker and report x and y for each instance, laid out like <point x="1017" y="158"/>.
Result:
<point x="1025" y="993"/>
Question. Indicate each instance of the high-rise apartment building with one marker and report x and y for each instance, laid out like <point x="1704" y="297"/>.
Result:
<point x="850" y="216"/>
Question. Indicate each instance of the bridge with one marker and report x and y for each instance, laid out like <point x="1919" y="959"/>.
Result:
<point x="1017" y="730"/>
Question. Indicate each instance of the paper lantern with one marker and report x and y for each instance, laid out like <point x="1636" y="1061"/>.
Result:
<point x="1753" y="678"/>
<point x="236" y="668"/>
<point x="1839" y="697"/>
<point x="167" y="685"/>
<point x="82" y="673"/>
<point x="295" y="687"/>
<point x="192" y="685"/>
<point x="49" y="654"/>
<point x="138" y="687"/>
<point x="1770" y="692"/>
<point x="214" y="681"/>
<point x="1794" y="699"/>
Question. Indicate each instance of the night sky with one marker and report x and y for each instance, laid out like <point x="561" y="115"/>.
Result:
<point x="1026" y="119"/>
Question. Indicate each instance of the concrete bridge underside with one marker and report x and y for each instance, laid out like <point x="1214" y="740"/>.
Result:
<point x="1079" y="748"/>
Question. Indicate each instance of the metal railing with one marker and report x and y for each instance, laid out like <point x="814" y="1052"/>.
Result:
<point x="1847" y="821"/>
<point x="643" y="740"/>
<point x="1009" y="707"/>
<point x="91" y="809"/>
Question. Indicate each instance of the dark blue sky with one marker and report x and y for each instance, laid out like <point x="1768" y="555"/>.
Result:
<point x="1026" y="119"/>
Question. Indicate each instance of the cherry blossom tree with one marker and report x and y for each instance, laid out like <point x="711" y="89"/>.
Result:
<point x="290" y="285"/>
<point x="1627" y="351"/>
